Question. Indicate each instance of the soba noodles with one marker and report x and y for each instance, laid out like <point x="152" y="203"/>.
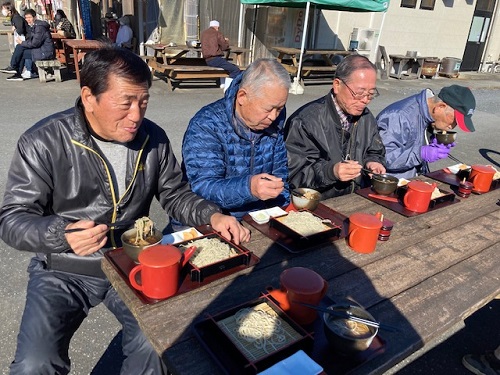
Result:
<point x="349" y="328"/>
<point x="144" y="229"/>
<point x="209" y="250"/>
<point x="260" y="328"/>
<point x="304" y="223"/>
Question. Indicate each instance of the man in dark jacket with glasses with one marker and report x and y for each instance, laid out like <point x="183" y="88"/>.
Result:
<point x="332" y="138"/>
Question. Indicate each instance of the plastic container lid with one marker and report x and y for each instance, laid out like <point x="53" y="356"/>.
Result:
<point x="483" y="169"/>
<point x="302" y="280"/>
<point x="160" y="256"/>
<point x="421" y="186"/>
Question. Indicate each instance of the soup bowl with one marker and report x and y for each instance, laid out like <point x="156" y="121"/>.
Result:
<point x="133" y="251"/>
<point x="384" y="184"/>
<point x="445" y="137"/>
<point x="305" y="198"/>
<point x="348" y="337"/>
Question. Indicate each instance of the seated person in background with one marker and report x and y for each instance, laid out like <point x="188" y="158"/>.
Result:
<point x="63" y="26"/>
<point x="19" y="24"/>
<point x="403" y="125"/>
<point x="125" y="33"/>
<point x="233" y="149"/>
<point x="213" y="45"/>
<point x="37" y="46"/>
<point x="330" y="139"/>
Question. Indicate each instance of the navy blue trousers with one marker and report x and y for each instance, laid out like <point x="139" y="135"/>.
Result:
<point x="56" y="305"/>
<point x="19" y="57"/>
<point x="220" y="62"/>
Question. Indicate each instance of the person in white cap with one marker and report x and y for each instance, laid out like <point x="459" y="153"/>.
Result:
<point x="213" y="45"/>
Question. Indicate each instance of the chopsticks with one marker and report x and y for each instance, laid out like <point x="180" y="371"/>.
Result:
<point x="455" y="159"/>
<point x="117" y="224"/>
<point x="346" y="315"/>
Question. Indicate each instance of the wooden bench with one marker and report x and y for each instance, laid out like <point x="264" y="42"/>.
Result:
<point x="310" y="70"/>
<point x="176" y="73"/>
<point x="46" y="67"/>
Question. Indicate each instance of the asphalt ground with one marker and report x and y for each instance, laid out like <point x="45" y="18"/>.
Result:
<point x="95" y="348"/>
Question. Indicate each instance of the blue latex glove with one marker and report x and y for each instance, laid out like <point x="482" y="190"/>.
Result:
<point x="435" y="151"/>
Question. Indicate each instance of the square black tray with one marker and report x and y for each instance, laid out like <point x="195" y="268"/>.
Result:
<point x="230" y="358"/>
<point x="333" y="231"/>
<point x="200" y="273"/>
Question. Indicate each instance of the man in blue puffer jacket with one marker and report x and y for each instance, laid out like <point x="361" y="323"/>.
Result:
<point x="233" y="149"/>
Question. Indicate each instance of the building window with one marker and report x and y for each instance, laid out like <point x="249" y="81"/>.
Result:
<point x="427" y="4"/>
<point x="408" y="3"/>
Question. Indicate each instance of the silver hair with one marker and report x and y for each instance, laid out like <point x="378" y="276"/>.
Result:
<point x="263" y="72"/>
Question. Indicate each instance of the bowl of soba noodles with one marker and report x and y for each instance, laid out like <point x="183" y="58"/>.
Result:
<point x="347" y="336"/>
<point x="143" y="235"/>
<point x="305" y="198"/>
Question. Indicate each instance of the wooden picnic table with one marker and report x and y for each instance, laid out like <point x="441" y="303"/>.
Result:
<point x="436" y="269"/>
<point x="59" y="47"/>
<point x="78" y="48"/>
<point x="289" y="58"/>
<point x="181" y="62"/>
<point x="10" y="38"/>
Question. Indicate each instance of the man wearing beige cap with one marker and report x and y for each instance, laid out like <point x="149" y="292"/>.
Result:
<point x="403" y="127"/>
<point x="213" y="45"/>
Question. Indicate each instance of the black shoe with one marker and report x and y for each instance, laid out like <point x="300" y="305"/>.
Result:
<point x="15" y="77"/>
<point x="9" y="70"/>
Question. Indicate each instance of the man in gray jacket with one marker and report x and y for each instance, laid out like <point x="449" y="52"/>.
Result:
<point x="100" y="162"/>
<point x="330" y="139"/>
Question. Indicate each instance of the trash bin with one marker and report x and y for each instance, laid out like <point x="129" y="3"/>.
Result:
<point x="430" y="67"/>
<point x="450" y="66"/>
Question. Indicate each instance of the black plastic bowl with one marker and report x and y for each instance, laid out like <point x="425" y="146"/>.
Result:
<point x="445" y="138"/>
<point x="342" y="339"/>
<point x="384" y="184"/>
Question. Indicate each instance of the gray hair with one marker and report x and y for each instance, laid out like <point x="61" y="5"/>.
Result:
<point x="351" y="64"/>
<point x="263" y="72"/>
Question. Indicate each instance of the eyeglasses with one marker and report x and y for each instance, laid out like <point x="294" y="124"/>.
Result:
<point x="360" y="96"/>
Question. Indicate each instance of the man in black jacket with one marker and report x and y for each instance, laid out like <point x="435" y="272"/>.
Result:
<point x="100" y="162"/>
<point x="37" y="46"/>
<point x="330" y="139"/>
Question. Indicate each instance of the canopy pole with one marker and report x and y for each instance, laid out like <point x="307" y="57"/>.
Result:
<point x="240" y="26"/>
<point x="296" y="88"/>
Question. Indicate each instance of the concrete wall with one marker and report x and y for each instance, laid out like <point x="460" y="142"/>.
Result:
<point x="441" y="32"/>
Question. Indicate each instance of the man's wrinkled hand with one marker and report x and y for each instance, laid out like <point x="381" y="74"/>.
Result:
<point x="230" y="228"/>
<point x="265" y="186"/>
<point x="375" y="167"/>
<point x="347" y="170"/>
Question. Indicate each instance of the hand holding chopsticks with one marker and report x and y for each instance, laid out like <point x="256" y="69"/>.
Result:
<point x="115" y="225"/>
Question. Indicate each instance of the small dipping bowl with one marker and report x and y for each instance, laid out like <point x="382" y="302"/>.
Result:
<point x="384" y="184"/>
<point x="305" y="198"/>
<point x="445" y="138"/>
<point x="260" y="217"/>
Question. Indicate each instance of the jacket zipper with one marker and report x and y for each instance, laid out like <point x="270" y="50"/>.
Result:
<point x="113" y="196"/>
